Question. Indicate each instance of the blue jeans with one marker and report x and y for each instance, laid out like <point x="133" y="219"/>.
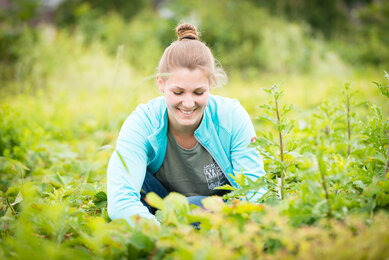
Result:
<point x="152" y="184"/>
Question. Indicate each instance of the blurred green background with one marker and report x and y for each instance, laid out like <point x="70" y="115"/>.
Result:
<point x="105" y="53"/>
<point x="71" y="71"/>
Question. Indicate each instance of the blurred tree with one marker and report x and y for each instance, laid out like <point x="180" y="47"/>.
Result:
<point x="246" y="35"/>
<point x="373" y="36"/>
<point x="324" y="16"/>
<point x="16" y="33"/>
<point x="69" y="12"/>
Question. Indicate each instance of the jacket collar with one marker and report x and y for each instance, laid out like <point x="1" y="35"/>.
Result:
<point x="206" y="134"/>
<point x="159" y="135"/>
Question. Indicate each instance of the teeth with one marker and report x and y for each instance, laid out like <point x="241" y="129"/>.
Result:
<point x="187" y="112"/>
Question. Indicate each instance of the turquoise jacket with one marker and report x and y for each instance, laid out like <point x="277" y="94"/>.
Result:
<point x="225" y="132"/>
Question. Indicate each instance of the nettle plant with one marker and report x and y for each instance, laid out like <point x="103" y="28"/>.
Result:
<point x="377" y="131"/>
<point x="332" y="145"/>
<point x="279" y="152"/>
<point x="334" y="163"/>
<point x="278" y="149"/>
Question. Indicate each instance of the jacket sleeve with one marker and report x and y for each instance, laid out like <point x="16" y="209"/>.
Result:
<point x="126" y="171"/>
<point x="244" y="157"/>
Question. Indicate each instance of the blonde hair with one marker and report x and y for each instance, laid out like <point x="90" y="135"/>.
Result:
<point x="191" y="53"/>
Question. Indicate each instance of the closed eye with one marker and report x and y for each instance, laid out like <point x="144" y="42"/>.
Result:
<point x="177" y="93"/>
<point x="199" y="93"/>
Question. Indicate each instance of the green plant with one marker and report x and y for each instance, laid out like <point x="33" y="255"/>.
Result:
<point x="278" y="151"/>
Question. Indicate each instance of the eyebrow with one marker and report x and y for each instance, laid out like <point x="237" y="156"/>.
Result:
<point x="198" y="88"/>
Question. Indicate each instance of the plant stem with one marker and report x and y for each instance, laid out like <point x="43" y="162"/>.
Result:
<point x="247" y="199"/>
<point x="21" y="171"/>
<point x="322" y="169"/>
<point x="281" y="149"/>
<point x="153" y="253"/>
<point x="348" y="124"/>
<point x="387" y="154"/>
<point x="329" y="214"/>
<point x="10" y="206"/>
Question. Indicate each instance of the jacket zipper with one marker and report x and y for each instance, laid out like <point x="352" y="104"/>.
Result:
<point x="215" y="161"/>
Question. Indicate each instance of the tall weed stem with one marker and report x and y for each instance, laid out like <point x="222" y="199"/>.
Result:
<point x="348" y="122"/>
<point x="323" y="171"/>
<point x="281" y="147"/>
<point x="10" y="206"/>
<point x="387" y="154"/>
<point x="278" y="151"/>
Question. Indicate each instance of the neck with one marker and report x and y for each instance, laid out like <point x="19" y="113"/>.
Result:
<point x="177" y="129"/>
<point x="184" y="139"/>
<point x="184" y="132"/>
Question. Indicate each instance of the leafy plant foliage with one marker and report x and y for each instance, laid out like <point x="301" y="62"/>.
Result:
<point x="327" y="192"/>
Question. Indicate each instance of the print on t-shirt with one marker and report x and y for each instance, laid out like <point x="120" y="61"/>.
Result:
<point x="214" y="176"/>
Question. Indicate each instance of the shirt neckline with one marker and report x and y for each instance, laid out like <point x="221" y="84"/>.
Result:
<point x="173" y="139"/>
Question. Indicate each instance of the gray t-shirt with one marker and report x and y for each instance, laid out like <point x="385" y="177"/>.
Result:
<point x="191" y="172"/>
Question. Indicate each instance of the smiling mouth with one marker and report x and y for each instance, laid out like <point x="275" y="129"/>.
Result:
<point x="187" y="112"/>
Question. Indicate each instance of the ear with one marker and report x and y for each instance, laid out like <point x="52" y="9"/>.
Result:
<point x="161" y="84"/>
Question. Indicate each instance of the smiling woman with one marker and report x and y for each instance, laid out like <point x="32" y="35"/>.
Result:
<point x="187" y="141"/>
<point x="186" y="95"/>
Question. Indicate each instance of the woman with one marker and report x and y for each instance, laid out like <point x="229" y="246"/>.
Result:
<point x="187" y="141"/>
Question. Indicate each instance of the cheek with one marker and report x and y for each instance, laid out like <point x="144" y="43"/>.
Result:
<point x="171" y="100"/>
<point x="203" y="100"/>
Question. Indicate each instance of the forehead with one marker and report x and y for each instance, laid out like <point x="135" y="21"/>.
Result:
<point x="183" y="77"/>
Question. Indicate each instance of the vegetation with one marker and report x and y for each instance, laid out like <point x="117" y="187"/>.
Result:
<point x="281" y="37"/>
<point x="53" y="200"/>
<point x="66" y="88"/>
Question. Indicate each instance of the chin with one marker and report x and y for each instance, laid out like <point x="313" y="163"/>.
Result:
<point x="187" y="123"/>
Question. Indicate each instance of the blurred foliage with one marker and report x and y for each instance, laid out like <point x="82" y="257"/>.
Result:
<point x="86" y="69"/>
<point x="16" y="35"/>
<point x="246" y="36"/>
<point x="374" y="37"/>
<point x="327" y="17"/>
<point x="256" y="41"/>
<point x="55" y="148"/>
<point x="70" y="12"/>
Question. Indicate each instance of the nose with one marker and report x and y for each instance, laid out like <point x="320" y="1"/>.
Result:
<point x="188" y="101"/>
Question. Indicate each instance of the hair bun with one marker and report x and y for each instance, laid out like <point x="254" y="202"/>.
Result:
<point x="187" y="31"/>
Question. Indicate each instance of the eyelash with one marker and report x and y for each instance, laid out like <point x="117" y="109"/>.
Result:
<point x="196" y="93"/>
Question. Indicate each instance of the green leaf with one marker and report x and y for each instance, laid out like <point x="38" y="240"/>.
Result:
<point x="105" y="147"/>
<point x="155" y="201"/>
<point x="266" y="107"/>
<point x="213" y="203"/>
<point x="100" y="196"/>
<point x="286" y="109"/>
<point x="384" y="89"/>
<point x="64" y="180"/>
<point x="100" y="199"/>
<point x="18" y="199"/>
<point x="239" y="178"/>
<point x="179" y="201"/>
<point x="121" y="159"/>
<point x="268" y="118"/>
<point x="225" y="187"/>
<point x="141" y="241"/>
<point x="16" y="163"/>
